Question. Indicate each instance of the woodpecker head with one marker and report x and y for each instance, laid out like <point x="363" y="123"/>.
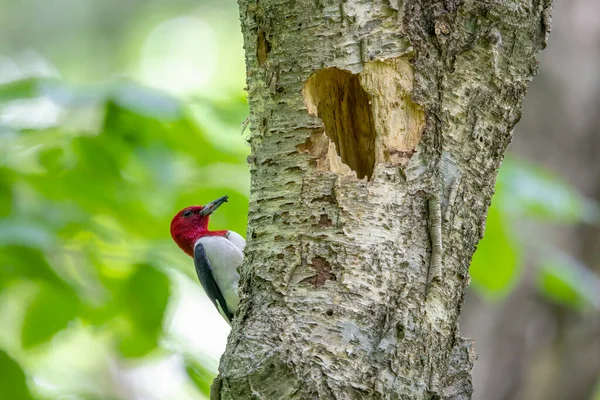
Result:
<point x="191" y="223"/>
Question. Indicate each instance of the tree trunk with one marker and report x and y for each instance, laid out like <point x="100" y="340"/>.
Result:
<point x="377" y="131"/>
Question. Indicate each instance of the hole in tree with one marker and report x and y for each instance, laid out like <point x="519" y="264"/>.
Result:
<point x="263" y="47"/>
<point x="337" y="98"/>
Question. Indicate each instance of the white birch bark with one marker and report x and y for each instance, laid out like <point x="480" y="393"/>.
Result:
<point x="377" y="131"/>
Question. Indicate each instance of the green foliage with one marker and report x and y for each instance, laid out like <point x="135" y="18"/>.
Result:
<point x="144" y="296"/>
<point x="558" y="287"/>
<point x="50" y="312"/>
<point x="495" y="263"/>
<point x="524" y="193"/>
<point x="90" y="176"/>
<point x="21" y="262"/>
<point x="85" y="213"/>
<point x="24" y="88"/>
<point x="6" y="200"/>
<point x="13" y="384"/>
<point x="527" y="190"/>
<point x="567" y="281"/>
<point x="201" y="376"/>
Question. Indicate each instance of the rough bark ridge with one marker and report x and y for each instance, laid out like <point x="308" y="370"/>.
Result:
<point x="377" y="131"/>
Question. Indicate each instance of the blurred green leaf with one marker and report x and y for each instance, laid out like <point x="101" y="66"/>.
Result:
<point x="529" y="190"/>
<point x="146" y="296"/>
<point x="135" y="343"/>
<point x="565" y="280"/>
<point x="19" y="89"/>
<point x="596" y="395"/>
<point x="495" y="263"/>
<point x="556" y="286"/>
<point x="147" y="102"/>
<point x="49" y="313"/>
<point x="52" y="159"/>
<point x="201" y="376"/>
<point x="20" y="262"/>
<point x="101" y="158"/>
<point x="13" y="384"/>
<point x="181" y="135"/>
<point x="90" y="177"/>
<point x="99" y="314"/>
<point x="7" y="178"/>
<point x="144" y="300"/>
<point x="88" y="396"/>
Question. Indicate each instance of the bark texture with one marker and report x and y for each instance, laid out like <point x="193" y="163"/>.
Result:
<point x="377" y="131"/>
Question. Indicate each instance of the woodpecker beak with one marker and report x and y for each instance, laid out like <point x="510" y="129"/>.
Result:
<point x="213" y="205"/>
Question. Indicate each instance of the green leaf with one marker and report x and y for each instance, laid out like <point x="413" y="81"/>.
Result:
<point x="144" y="300"/>
<point x="495" y="263"/>
<point x="555" y="286"/>
<point x="13" y="384"/>
<point x="52" y="159"/>
<point x="200" y="375"/>
<point x="566" y="281"/>
<point x="146" y="297"/>
<point x="7" y="178"/>
<point x="49" y="313"/>
<point x="89" y="396"/>
<point x="20" y="262"/>
<point x="146" y="101"/>
<point x="135" y="343"/>
<point x="179" y="135"/>
<point x="527" y="190"/>
<point x="99" y="312"/>
<point x="19" y="89"/>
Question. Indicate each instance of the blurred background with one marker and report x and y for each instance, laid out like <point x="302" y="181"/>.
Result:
<point x="116" y="114"/>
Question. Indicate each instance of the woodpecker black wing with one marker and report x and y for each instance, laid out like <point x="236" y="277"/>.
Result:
<point x="204" y="271"/>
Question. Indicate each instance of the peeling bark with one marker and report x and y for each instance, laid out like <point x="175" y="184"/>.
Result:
<point x="370" y="121"/>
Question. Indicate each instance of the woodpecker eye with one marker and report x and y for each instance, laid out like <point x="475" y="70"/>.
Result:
<point x="187" y="213"/>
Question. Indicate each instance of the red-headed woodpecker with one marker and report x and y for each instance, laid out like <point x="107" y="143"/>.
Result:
<point x="216" y="254"/>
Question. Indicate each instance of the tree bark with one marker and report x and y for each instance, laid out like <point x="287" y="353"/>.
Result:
<point x="377" y="131"/>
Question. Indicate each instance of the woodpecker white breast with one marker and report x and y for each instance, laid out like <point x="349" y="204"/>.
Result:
<point x="217" y="254"/>
<point x="224" y="255"/>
